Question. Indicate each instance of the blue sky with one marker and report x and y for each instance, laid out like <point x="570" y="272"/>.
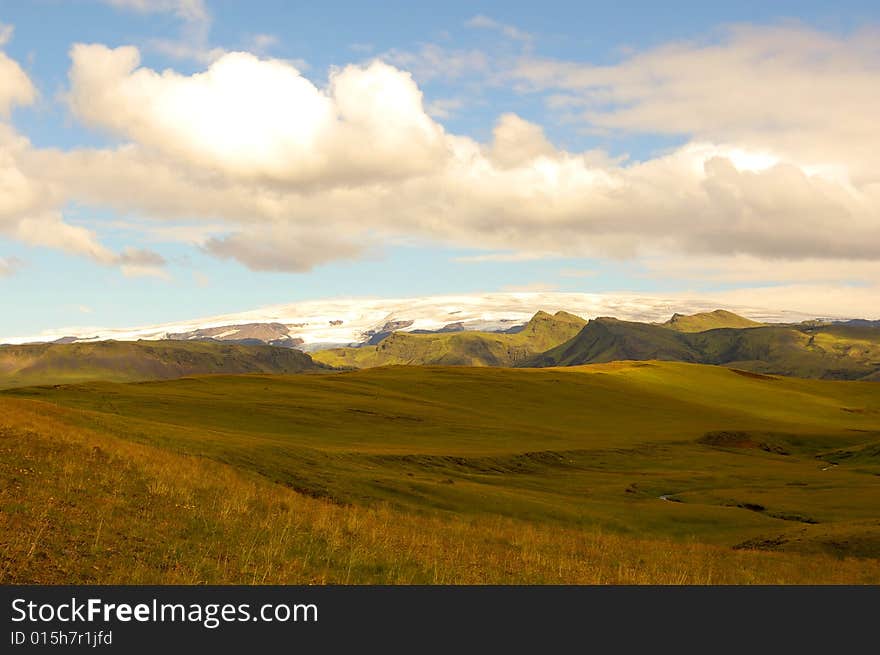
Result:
<point x="570" y="73"/>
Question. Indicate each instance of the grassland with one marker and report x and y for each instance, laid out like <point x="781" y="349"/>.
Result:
<point x="703" y="321"/>
<point x="623" y="472"/>
<point x="80" y="506"/>
<point x="130" y="361"/>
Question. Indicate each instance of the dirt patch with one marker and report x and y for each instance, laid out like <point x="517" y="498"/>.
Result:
<point x="752" y="374"/>
<point x="738" y="439"/>
<point x="782" y="516"/>
<point x="859" y="410"/>
<point x="792" y="516"/>
<point x="762" y="543"/>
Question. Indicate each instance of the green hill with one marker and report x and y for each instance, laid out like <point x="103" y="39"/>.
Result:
<point x="542" y="332"/>
<point x="628" y="471"/>
<point x="830" y="352"/>
<point x="719" y="337"/>
<point x="608" y="339"/>
<point x="719" y="318"/>
<point x="128" y="361"/>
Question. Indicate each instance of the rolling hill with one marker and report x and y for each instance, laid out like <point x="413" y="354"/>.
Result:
<point x="460" y="348"/>
<point x="126" y="361"/>
<point x="627" y="471"/>
<point x="701" y="322"/>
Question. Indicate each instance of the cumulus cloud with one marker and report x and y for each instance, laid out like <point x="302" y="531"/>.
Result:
<point x="261" y="118"/>
<point x="30" y="205"/>
<point x="254" y="142"/>
<point x="16" y="87"/>
<point x="517" y="142"/>
<point x="291" y="175"/>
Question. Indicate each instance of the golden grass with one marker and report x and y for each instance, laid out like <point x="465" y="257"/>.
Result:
<point x="77" y="506"/>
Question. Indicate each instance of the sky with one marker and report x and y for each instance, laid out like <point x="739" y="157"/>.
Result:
<point x="167" y="159"/>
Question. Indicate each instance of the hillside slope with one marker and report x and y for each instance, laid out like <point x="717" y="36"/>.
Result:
<point x="654" y="450"/>
<point x="542" y="332"/>
<point x="128" y="361"/>
<point x="81" y="506"/>
<point x="720" y="318"/>
<point x="607" y="340"/>
<point x="828" y="352"/>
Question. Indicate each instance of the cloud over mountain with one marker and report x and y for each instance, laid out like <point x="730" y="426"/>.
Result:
<point x="299" y="174"/>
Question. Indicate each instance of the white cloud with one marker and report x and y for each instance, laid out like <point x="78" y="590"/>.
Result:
<point x="261" y="43"/>
<point x="286" y="175"/>
<point x="432" y="61"/>
<point x="193" y="40"/>
<point x="187" y="10"/>
<point x="50" y="231"/>
<point x="6" y="32"/>
<point x="29" y="206"/>
<point x="187" y="49"/>
<point x="9" y="266"/>
<point x="517" y="142"/>
<point x="138" y="262"/>
<point x="253" y="142"/>
<point x="444" y="108"/>
<point x="282" y="248"/>
<point x="261" y="118"/>
<point x="803" y="94"/>
<point x="511" y="32"/>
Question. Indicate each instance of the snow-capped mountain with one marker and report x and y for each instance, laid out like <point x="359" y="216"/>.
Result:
<point x="317" y="324"/>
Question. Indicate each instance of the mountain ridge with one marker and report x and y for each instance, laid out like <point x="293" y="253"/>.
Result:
<point x="828" y="352"/>
<point x="702" y="321"/>
<point x="350" y="321"/>
<point x="126" y="361"/>
<point x="460" y="348"/>
<point x="848" y="351"/>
